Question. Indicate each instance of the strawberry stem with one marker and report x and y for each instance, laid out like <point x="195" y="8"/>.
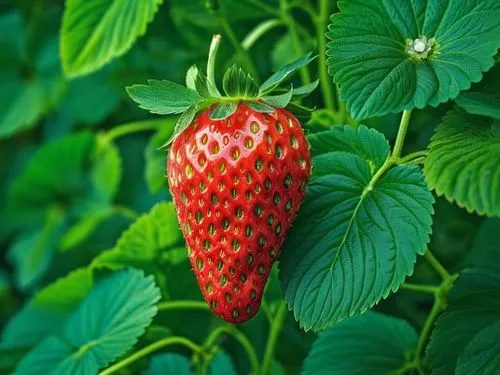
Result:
<point x="133" y="127"/>
<point x="241" y="338"/>
<point x="212" y="54"/>
<point x="260" y="30"/>
<point x="274" y="333"/>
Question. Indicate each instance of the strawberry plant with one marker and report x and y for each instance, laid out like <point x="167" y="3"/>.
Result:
<point x="315" y="190"/>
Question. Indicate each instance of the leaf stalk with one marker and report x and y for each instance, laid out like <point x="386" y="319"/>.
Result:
<point x="150" y="349"/>
<point x="305" y="76"/>
<point x="400" y="138"/>
<point x="241" y="338"/>
<point x="260" y="30"/>
<point x="276" y="327"/>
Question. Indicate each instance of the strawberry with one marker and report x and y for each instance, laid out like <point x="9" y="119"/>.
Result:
<point x="237" y="171"/>
<point x="237" y="184"/>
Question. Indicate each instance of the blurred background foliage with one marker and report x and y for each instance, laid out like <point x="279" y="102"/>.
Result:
<point x="70" y="186"/>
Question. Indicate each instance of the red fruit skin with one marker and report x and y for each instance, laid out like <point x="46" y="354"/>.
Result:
<point x="237" y="185"/>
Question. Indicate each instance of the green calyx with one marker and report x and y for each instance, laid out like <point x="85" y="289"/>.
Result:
<point x="201" y="92"/>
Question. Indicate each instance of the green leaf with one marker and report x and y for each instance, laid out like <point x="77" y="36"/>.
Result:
<point x="47" y="311"/>
<point x="305" y="90"/>
<point x="486" y="241"/>
<point x="284" y="72"/>
<point x="30" y="87"/>
<point x="150" y="236"/>
<point x="385" y="343"/>
<point x="183" y="122"/>
<point x="277" y="368"/>
<point x="83" y="229"/>
<point x="100" y="329"/>
<point x="478" y="103"/>
<point x="463" y="163"/>
<point x="169" y="364"/>
<point x="152" y="233"/>
<point x="154" y="238"/>
<point x="237" y="83"/>
<point x="303" y="114"/>
<point x="260" y="107"/>
<point x="368" y="143"/>
<point x="30" y="326"/>
<point x="482" y="354"/>
<point x="191" y="75"/>
<point x="380" y="70"/>
<point x="283" y="50"/>
<point x="95" y="31"/>
<point x="204" y="87"/>
<point x="32" y="253"/>
<point x="462" y="341"/>
<point x="163" y="97"/>
<point x="174" y="255"/>
<point x="222" y="111"/>
<point x="279" y="101"/>
<point x="89" y="100"/>
<point x="155" y="158"/>
<point x="358" y="232"/>
<point x="483" y="98"/>
<point x="66" y="172"/>
<point x="222" y="365"/>
<point x="193" y="16"/>
<point x="106" y="172"/>
<point x="66" y="293"/>
<point x="64" y="181"/>
<point x="4" y="283"/>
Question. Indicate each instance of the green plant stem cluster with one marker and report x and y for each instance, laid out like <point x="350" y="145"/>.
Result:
<point x="204" y="353"/>
<point x="439" y="291"/>
<point x="284" y="17"/>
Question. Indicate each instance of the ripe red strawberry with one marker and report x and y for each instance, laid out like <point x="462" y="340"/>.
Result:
<point x="237" y="173"/>
<point x="237" y="184"/>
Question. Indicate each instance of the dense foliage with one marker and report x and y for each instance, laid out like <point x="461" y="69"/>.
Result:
<point x="401" y="214"/>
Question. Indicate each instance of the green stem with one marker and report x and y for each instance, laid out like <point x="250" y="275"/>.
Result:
<point x="276" y="327"/>
<point x="305" y="76"/>
<point x="437" y="266"/>
<point x="150" y="349"/>
<point x="342" y="111"/>
<point x="240" y="51"/>
<point x="327" y="87"/>
<point x="416" y="161"/>
<point x="241" y="338"/>
<point x="413" y="156"/>
<point x="424" y="334"/>
<point x="259" y="30"/>
<point x="212" y="54"/>
<point x="400" y="138"/>
<point x="124" y="212"/>
<point x="420" y="288"/>
<point x="181" y="305"/>
<point x="394" y="158"/>
<point x="439" y="304"/>
<point x="267" y="311"/>
<point x="133" y="127"/>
